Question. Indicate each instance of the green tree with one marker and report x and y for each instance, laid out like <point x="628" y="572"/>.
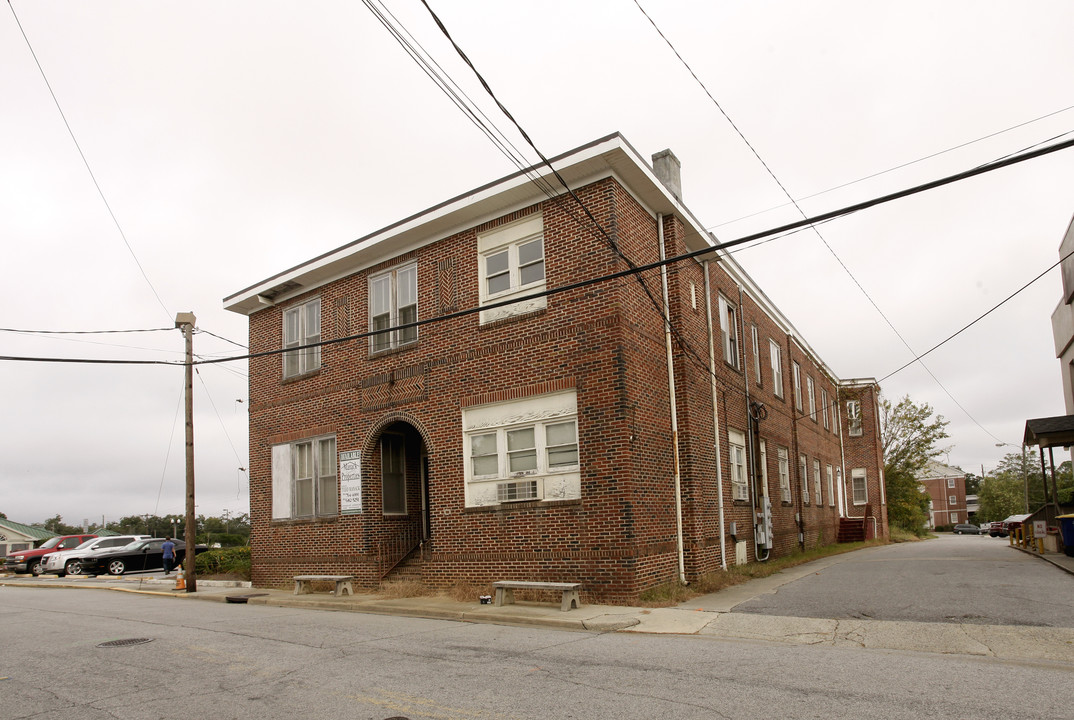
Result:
<point x="909" y="434"/>
<point x="973" y="483"/>
<point x="55" y="524"/>
<point x="1001" y="495"/>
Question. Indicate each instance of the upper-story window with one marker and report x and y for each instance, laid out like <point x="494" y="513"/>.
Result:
<point x="729" y="332"/>
<point x="511" y="263"/>
<point x="775" y="357"/>
<point x="811" y="392"/>
<point x="393" y="301"/>
<point x="950" y="482"/>
<point x="756" y="355"/>
<point x="824" y="408"/>
<point x="796" y="378"/>
<point x="854" y="418"/>
<point x="302" y="326"/>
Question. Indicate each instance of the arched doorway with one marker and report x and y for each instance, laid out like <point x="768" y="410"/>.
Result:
<point x="399" y="455"/>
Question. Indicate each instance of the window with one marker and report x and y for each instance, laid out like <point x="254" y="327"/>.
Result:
<point x="854" y="418"/>
<point x="950" y="482"/>
<point x="393" y="474"/>
<point x="393" y="301"/>
<point x="954" y="518"/>
<point x="816" y="483"/>
<point x="729" y="332"/>
<point x="775" y="358"/>
<point x="831" y="485"/>
<point x="796" y="378"/>
<point x="736" y="442"/>
<point x="824" y="408"/>
<point x="952" y="500"/>
<point x="511" y="264"/>
<point x="302" y="326"/>
<point x="811" y="391"/>
<point x="783" y="456"/>
<point x="839" y="480"/>
<point x="510" y="457"/>
<point x="835" y="417"/>
<point x="859" y="488"/>
<point x="304" y="479"/>
<point x="756" y="355"/>
<point x="803" y="478"/>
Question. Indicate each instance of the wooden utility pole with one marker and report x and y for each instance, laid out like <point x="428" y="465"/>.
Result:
<point x="186" y="321"/>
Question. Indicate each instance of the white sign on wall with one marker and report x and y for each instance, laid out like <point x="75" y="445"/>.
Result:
<point x="350" y="482"/>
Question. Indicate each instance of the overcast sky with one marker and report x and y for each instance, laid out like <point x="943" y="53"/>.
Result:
<point x="233" y="140"/>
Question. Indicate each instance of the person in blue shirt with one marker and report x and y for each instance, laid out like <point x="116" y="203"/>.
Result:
<point x="169" y="555"/>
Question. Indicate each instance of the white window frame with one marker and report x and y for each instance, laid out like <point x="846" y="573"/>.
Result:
<point x="508" y="241"/>
<point x="859" y="475"/>
<point x="736" y="450"/>
<point x="811" y="391"/>
<point x="824" y="408"/>
<point x="952" y="500"/>
<point x="831" y="484"/>
<point x="854" y="424"/>
<point x="729" y="331"/>
<point x="796" y="378"/>
<point x="402" y="286"/>
<point x="523" y="458"/>
<point x="950" y="482"/>
<point x="301" y="326"/>
<point x="756" y="355"/>
<point x="803" y="471"/>
<point x="783" y="456"/>
<point x="817" y="483"/>
<point x="290" y="474"/>
<point x="775" y="357"/>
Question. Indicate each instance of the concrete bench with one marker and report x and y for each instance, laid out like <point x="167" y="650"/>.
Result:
<point x="505" y="591"/>
<point x="343" y="582"/>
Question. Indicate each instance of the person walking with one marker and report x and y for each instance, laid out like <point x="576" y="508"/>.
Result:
<point x="169" y="555"/>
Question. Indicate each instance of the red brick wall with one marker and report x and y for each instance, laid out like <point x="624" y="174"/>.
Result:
<point x="605" y="341"/>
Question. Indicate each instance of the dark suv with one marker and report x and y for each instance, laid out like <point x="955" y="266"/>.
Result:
<point x="966" y="530"/>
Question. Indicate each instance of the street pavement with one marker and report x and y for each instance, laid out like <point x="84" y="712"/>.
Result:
<point x="709" y="615"/>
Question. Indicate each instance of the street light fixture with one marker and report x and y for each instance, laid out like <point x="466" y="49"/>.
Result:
<point x="1025" y="471"/>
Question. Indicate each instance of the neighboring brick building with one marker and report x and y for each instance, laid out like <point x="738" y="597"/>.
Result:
<point x="534" y="438"/>
<point x="946" y="487"/>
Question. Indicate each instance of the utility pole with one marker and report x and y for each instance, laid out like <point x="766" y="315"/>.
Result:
<point x="185" y="321"/>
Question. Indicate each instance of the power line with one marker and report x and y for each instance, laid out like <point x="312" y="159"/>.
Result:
<point x="897" y="167"/>
<point x="83" y="332"/>
<point x="85" y="162"/>
<point x="710" y="250"/>
<point x="819" y="235"/>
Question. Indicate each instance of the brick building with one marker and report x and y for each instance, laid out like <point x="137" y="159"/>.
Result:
<point x="512" y="419"/>
<point x="946" y="487"/>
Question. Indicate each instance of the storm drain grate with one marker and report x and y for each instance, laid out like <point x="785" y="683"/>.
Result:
<point x="125" y="642"/>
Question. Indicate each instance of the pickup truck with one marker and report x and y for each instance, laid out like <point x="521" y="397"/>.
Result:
<point x="31" y="560"/>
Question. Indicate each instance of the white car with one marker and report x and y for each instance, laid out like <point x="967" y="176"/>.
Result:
<point x="65" y="562"/>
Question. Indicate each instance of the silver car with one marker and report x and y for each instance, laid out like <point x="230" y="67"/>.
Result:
<point x="66" y="562"/>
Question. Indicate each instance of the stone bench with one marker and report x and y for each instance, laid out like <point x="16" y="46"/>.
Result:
<point x="505" y="591"/>
<point x="343" y="582"/>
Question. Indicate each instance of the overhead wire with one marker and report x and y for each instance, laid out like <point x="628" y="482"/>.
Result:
<point x="819" y="235"/>
<point x="85" y="161"/>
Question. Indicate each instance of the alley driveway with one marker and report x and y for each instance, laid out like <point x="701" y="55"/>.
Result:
<point x="954" y="578"/>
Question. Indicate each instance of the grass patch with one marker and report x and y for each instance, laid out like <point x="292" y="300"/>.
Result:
<point x="673" y="593"/>
<point x="898" y="535"/>
<point x="404" y="589"/>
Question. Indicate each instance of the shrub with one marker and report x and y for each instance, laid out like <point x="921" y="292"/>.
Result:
<point x="226" y="561"/>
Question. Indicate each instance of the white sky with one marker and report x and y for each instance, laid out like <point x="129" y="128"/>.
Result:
<point x="233" y="140"/>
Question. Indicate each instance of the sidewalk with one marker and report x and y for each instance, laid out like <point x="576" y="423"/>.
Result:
<point x="708" y="615"/>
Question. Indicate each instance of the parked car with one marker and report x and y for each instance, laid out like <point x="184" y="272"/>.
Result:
<point x="997" y="529"/>
<point x="136" y="556"/>
<point x="30" y="560"/>
<point x="67" y="562"/>
<point x="966" y="530"/>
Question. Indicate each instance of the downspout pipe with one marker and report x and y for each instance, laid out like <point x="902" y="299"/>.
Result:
<point x="715" y="412"/>
<point x="751" y="435"/>
<point x="671" y="394"/>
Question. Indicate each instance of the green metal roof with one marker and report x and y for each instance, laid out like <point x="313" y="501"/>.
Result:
<point x="37" y="533"/>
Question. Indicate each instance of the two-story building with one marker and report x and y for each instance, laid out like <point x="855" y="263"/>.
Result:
<point x="511" y="385"/>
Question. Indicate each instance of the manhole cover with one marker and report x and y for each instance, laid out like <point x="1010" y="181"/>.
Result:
<point x="125" y="643"/>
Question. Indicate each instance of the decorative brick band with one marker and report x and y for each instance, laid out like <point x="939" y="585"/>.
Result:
<point x="300" y="434"/>
<point x="542" y="388"/>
